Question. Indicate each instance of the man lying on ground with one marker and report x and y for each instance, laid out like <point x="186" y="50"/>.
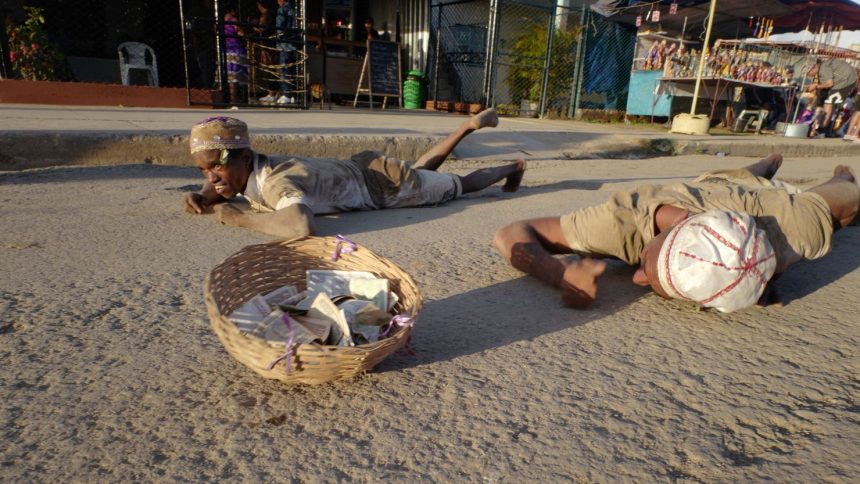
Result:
<point x="286" y="192"/>
<point x="716" y="240"/>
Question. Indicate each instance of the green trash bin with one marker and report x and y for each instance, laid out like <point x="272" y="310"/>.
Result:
<point x="414" y="91"/>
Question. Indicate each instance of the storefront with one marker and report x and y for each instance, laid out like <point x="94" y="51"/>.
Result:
<point x="338" y="31"/>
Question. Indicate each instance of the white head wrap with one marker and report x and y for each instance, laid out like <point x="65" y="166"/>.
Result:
<point x="717" y="259"/>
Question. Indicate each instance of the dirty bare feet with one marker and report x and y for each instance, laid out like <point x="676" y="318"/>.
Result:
<point x="844" y="172"/>
<point x="487" y="118"/>
<point x="767" y="167"/>
<point x="579" y="282"/>
<point x="512" y="182"/>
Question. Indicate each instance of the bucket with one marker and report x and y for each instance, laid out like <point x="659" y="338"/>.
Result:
<point x="685" y="123"/>
<point x="796" y="130"/>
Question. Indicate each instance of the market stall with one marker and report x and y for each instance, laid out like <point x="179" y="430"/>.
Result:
<point x="656" y="56"/>
<point x="668" y="51"/>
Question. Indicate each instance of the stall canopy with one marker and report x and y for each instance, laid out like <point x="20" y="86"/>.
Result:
<point x="735" y="19"/>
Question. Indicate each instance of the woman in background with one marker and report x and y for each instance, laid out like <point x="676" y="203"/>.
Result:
<point x="237" y="58"/>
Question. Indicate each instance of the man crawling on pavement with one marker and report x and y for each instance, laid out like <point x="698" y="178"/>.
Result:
<point x="716" y="241"/>
<point x="286" y="192"/>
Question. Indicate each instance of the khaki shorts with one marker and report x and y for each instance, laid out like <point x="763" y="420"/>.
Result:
<point x="395" y="184"/>
<point x="742" y="176"/>
<point x="799" y="224"/>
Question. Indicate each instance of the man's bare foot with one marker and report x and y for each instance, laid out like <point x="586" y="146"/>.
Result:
<point x="843" y="172"/>
<point x="767" y="167"/>
<point x="512" y="182"/>
<point x="773" y="162"/>
<point x="579" y="282"/>
<point x="487" y="118"/>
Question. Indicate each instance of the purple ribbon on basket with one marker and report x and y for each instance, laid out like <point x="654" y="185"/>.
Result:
<point x="342" y="247"/>
<point x="288" y="354"/>
<point x="400" y="320"/>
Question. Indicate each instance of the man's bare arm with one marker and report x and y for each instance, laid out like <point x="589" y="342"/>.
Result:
<point x="529" y="246"/>
<point x="288" y="222"/>
<point x="201" y="202"/>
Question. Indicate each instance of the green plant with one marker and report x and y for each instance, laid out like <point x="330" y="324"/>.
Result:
<point x="528" y="51"/>
<point x="30" y="52"/>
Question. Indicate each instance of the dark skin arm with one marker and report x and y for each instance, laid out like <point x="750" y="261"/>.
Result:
<point x="529" y="246"/>
<point x="288" y="223"/>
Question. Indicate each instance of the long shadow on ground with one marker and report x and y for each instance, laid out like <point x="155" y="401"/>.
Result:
<point x="504" y="313"/>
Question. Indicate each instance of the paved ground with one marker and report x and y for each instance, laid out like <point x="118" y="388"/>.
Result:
<point x="33" y="136"/>
<point x="111" y="372"/>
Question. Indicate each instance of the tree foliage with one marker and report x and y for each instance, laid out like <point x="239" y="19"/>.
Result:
<point x="528" y="52"/>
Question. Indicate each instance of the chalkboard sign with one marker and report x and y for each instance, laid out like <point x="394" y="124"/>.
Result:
<point x="384" y="71"/>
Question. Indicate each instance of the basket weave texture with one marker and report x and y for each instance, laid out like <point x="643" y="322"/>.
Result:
<point x="258" y="269"/>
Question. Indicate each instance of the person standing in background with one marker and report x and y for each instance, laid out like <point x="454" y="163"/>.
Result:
<point x="264" y="55"/>
<point x="285" y="20"/>
<point x="237" y="58"/>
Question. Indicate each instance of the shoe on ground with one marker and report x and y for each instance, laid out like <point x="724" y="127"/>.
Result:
<point x="282" y="100"/>
<point x="267" y="99"/>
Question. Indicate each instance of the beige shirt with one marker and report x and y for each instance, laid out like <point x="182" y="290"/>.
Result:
<point x="324" y="185"/>
<point x="368" y="181"/>
<point x="798" y="225"/>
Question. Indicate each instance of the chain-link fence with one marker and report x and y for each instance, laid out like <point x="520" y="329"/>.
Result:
<point x="256" y="61"/>
<point x="520" y="67"/>
<point x="459" y="51"/>
<point x="565" y="64"/>
<point x="528" y="58"/>
<point x="608" y="48"/>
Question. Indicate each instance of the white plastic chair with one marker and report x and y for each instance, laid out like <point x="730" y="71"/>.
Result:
<point x="133" y="55"/>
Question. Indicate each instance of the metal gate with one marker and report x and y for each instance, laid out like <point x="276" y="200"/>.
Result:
<point x="458" y="43"/>
<point x="274" y="72"/>
<point x="523" y="57"/>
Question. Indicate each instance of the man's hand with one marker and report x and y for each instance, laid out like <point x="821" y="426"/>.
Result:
<point x="195" y="203"/>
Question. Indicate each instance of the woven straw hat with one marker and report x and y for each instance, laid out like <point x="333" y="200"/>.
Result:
<point x="220" y="133"/>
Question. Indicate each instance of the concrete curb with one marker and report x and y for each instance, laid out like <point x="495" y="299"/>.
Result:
<point x="27" y="149"/>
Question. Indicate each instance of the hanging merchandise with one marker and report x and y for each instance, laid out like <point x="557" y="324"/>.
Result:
<point x="638" y="20"/>
<point x="655" y="17"/>
<point x="769" y="29"/>
<point x="762" y="28"/>
<point x="673" y="9"/>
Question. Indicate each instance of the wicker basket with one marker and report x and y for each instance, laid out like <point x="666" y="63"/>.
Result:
<point x="259" y="269"/>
